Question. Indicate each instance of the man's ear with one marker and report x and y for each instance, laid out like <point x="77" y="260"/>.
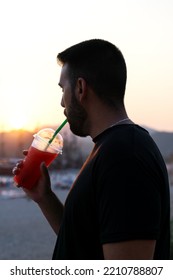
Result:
<point x="81" y="89"/>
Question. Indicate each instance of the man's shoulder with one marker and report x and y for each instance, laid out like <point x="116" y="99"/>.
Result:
<point x="123" y="135"/>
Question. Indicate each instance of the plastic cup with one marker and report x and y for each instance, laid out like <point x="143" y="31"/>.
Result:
<point x="38" y="152"/>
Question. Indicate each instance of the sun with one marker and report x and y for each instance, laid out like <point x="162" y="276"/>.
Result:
<point x="17" y="121"/>
<point x="16" y="114"/>
<point x="16" y="117"/>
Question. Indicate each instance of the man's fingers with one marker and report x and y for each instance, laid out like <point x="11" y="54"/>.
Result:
<point x="16" y="169"/>
<point x="25" y="152"/>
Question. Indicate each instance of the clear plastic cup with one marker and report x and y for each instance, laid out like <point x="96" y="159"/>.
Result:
<point x="38" y="152"/>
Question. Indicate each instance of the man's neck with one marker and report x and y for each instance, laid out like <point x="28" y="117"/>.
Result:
<point x="101" y="123"/>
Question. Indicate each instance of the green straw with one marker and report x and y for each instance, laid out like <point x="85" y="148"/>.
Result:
<point x="56" y="132"/>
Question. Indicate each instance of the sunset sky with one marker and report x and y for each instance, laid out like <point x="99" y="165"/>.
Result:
<point x="33" y="32"/>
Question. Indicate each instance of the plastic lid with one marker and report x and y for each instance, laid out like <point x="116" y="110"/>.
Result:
<point x="42" y="138"/>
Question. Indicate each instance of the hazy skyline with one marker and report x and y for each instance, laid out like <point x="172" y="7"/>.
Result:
<point x="33" y="32"/>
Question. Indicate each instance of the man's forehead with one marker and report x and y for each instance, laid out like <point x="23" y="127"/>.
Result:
<point x="64" y="75"/>
<point x="64" y="71"/>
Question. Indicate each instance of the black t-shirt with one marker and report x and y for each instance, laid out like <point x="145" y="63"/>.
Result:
<point x="121" y="193"/>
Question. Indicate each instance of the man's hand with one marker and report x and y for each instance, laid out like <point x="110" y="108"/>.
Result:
<point x="43" y="195"/>
<point x="42" y="188"/>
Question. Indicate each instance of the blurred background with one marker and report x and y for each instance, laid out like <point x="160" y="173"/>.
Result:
<point x="32" y="33"/>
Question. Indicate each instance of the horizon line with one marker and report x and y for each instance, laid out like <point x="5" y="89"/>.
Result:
<point x="150" y="129"/>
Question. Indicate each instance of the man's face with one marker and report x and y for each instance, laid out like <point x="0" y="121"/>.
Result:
<point x="75" y="113"/>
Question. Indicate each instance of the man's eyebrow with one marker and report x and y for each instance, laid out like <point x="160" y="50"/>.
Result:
<point x="60" y="84"/>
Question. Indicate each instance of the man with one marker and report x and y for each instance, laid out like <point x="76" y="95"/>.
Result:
<point x="118" y="206"/>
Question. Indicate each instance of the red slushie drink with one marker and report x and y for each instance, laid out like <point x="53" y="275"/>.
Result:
<point x="39" y="152"/>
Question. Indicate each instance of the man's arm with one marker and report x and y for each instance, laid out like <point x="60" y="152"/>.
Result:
<point x="50" y="205"/>
<point x="52" y="209"/>
<point x="129" y="250"/>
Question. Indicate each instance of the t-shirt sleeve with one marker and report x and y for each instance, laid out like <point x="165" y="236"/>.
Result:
<point x="128" y="203"/>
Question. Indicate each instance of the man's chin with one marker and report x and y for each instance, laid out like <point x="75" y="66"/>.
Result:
<point x="78" y="132"/>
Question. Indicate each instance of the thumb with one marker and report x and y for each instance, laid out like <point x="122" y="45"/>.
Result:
<point x="44" y="173"/>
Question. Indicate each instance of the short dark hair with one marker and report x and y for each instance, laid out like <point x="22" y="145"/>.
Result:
<point x="101" y="64"/>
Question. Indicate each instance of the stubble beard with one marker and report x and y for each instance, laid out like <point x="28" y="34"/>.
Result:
<point x="77" y="118"/>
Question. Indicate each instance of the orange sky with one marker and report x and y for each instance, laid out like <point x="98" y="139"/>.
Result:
<point x="33" y="32"/>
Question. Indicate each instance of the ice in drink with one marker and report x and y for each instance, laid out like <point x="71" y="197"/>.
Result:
<point x="37" y="153"/>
